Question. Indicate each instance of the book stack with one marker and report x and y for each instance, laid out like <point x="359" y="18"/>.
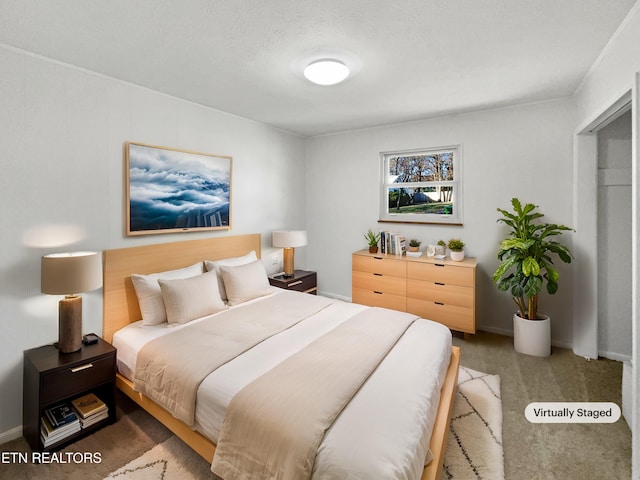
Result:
<point x="58" y="423"/>
<point x="90" y="409"/>
<point x="392" y="243"/>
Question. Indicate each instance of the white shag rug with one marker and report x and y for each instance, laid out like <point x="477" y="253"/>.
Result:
<point x="170" y="460"/>
<point x="474" y="448"/>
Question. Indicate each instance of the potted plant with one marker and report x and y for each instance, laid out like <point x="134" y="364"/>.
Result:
<point x="372" y="239"/>
<point x="527" y="266"/>
<point x="441" y="247"/>
<point x="414" y="245"/>
<point x="457" y="249"/>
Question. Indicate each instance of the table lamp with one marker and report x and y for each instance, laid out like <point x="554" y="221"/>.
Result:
<point x="289" y="239"/>
<point x="69" y="274"/>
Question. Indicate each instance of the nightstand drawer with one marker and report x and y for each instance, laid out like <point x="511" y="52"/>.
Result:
<point x="70" y="379"/>
<point x="301" y="281"/>
<point x="300" y="284"/>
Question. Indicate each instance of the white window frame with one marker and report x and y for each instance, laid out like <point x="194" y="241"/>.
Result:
<point x="449" y="219"/>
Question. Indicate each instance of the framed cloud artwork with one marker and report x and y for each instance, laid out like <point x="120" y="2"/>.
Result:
<point x="171" y="190"/>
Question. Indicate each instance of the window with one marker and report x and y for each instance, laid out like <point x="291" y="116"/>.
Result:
<point x="422" y="186"/>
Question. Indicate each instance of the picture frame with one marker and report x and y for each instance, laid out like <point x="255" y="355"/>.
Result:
<point x="170" y="190"/>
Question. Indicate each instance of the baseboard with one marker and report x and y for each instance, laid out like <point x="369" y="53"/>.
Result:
<point x="11" y="434"/>
<point x="334" y="295"/>
<point x="614" y="356"/>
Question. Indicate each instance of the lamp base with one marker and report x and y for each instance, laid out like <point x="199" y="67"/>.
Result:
<point x="70" y="324"/>
<point x="288" y="261"/>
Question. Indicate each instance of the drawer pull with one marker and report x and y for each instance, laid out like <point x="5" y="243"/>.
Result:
<point x="294" y="283"/>
<point x="439" y="303"/>
<point x="377" y="293"/>
<point x="441" y="284"/>
<point x="81" y="367"/>
<point x="378" y="274"/>
<point x="377" y="258"/>
<point x="439" y="265"/>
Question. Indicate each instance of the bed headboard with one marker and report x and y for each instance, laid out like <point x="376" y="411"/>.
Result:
<point x="120" y="304"/>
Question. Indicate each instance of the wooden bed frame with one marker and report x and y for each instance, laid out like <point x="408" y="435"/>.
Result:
<point x="120" y="308"/>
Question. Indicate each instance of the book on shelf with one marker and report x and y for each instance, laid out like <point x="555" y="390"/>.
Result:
<point x="93" y="419"/>
<point x="61" y="414"/>
<point x="88" y="405"/>
<point x="58" y="423"/>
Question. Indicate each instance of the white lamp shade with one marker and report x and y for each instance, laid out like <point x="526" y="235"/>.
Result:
<point x="289" y="238"/>
<point x="68" y="273"/>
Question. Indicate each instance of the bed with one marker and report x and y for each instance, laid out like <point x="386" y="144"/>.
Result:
<point x="122" y="311"/>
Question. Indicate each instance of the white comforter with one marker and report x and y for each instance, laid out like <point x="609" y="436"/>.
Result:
<point x="384" y="431"/>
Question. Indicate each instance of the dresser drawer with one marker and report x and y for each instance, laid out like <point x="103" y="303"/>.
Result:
<point x="439" y="292"/>
<point x="70" y="379"/>
<point x="379" y="299"/>
<point x="441" y="273"/>
<point x="381" y="265"/>
<point x="379" y="282"/>
<point x="461" y="319"/>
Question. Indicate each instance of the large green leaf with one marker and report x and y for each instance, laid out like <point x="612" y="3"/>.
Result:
<point x="533" y="286"/>
<point x="530" y="267"/>
<point x="504" y="268"/>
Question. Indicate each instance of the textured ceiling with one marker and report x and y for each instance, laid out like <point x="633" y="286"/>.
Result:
<point x="413" y="59"/>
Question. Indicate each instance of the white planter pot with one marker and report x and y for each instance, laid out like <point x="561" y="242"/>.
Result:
<point x="457" y="256"/>
<point x="532" y="337"/>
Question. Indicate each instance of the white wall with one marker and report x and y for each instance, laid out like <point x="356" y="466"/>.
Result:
<point x="62" y="132"/>
<point x="523" y="151"/>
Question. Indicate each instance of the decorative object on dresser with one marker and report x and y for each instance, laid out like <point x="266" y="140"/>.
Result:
<point x="68" y="274"/>
<point x="526" y="265"/>
<point x="456" y="246"/>
<point x="414" y="245"/>
<point x="372" y="240"/>
<point x="439" y="290"/>
<point x="56" y="389"/>
<point x="288" y="240"/>
<point x="301" y="281"/>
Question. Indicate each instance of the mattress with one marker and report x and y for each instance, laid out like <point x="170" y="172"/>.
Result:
<point x="397" y="405"/>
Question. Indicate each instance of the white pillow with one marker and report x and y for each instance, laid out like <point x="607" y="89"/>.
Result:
<point x="245" y="282"/>
<point x="150" y="296"/>
<point x="190" y="298"/>
<point x="228" y="262"/>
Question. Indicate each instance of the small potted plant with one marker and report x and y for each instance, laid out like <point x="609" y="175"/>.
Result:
<point x="457" y="249"/>
<point x="414" y="245"/>
<point x="527" y="265"/>
<point x="441" y="248"/>
<point x="372" y="239"/>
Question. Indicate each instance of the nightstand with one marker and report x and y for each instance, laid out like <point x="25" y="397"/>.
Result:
<point x="302" y="281"/>
<point x="52" y="378"/>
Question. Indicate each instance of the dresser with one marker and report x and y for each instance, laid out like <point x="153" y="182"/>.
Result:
<point x="439" y="290"/>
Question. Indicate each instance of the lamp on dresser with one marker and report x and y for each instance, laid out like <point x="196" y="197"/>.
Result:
<point x="69" y="274"/>
<point x="289" y="239"/>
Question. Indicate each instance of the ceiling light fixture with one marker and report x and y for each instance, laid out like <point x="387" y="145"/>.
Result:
<point x="326" y="72"/>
